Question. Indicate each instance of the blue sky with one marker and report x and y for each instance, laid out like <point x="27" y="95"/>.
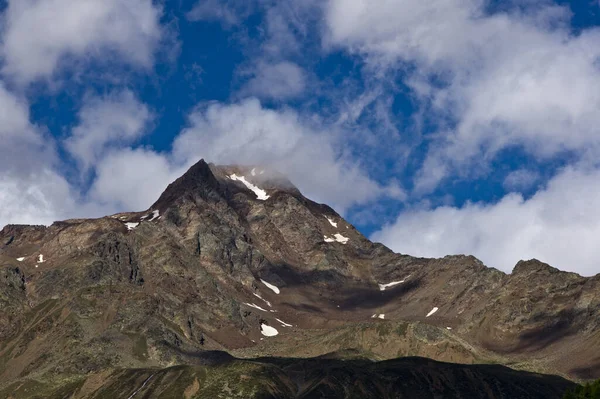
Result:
<point x="436" y="127"/>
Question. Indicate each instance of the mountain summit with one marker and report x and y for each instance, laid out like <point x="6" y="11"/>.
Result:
<point x="234" y="262"/>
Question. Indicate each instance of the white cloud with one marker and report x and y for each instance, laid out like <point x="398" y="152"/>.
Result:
<point x="508" y="79"/>
<point x="30" y="190"/>
<point x="117" y="119"/>
<point x="40" y="36"/>
<point x="229" y="13"/>
<point x="281" y="80"/>
<point x="36" y="198"/>
<point x="132" y="179"/>
<point x="521" y="180"/>
<point x="23" y="147"/>
<point x="310" y="154"/>
<point x="558" y="225"/>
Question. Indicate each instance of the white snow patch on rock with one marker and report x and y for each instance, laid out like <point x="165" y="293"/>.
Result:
<point x="21" y="259"/>
<point x="155" y="215"/>
<point x="448" y="328"/>
<point x="131" y="225"/>
<point x="260" y="297"/>
<point x="336" y="237"/>
<point x="271" y="286"/>
<point x="283" y="323"/>
<point x="381" y="316"/>
<point x="374" y="316"/>
<point x="268" y="331"/>
<point x="331" y="222"/>
<point x="432" y="312"/>
<point x="260" y="194"/>
<point x="40" y="259"/>
<point x="253" y="172"/>
<point x="382" y="287"/>
<point x="254" y="306"/>
<point x="341" y="238"/>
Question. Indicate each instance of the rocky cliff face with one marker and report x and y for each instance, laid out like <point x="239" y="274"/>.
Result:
<point x="237" y="260"/>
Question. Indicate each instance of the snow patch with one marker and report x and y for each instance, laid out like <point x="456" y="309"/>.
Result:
<point x="382" y="287"/>
<point x="253" y="172"/>
<point x="336" y="237"/>
<point x="283" y="323"/>
<point x="268" y="331"/>
<point x="448" y="328"/>
<point x="254" y="306"/>
<point x="378" y="316"/>
<point x="381" y="316"/>
<point x="155" y="215"/>
<point x="374" y="316"/>
<point x="21" y="259"/>
<point x="260" y="194"/>
<point x="432" y="311"/>
<point x="331" y="222"/>
<point x="40" y="259"/>
<point x="271" y="286"/>
<point x="260" y="297"/>
<point x="341" y="238"/>
<point x="131" y="226"/>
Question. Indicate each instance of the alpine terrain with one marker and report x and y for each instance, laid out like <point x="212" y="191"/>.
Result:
<point x="234" y="285"/>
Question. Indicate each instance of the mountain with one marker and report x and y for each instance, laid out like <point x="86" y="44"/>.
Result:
<point x="233" y="263"/>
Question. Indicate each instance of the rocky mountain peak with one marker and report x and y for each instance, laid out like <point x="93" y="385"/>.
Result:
<point x="199" y="180"/>
<point x="533" y="266"/>
<point x="213" y="182"/>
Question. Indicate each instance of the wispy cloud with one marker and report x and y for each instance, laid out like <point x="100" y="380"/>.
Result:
<point x="117" y="119"/>
<point x="493" y="81"/>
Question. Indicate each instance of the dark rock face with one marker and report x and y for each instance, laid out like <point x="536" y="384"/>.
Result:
<point x="115" y="259"/>
<point x="214" y="260"/>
